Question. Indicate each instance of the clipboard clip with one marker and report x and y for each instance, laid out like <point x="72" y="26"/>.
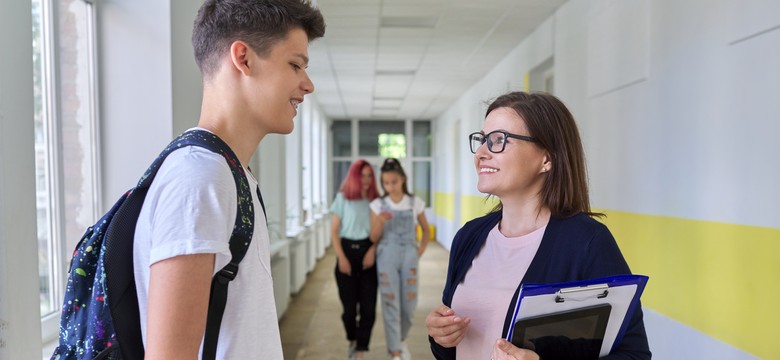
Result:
<point x="582" y="292"/>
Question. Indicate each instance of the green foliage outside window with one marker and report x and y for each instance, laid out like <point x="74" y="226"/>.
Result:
<point x="392" y="145"/>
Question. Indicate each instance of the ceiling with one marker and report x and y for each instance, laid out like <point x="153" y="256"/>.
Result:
<point x="411" y="59"/>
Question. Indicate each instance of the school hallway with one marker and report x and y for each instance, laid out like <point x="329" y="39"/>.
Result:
<point x="675" y="102"/>
<point x="311" y="327"/>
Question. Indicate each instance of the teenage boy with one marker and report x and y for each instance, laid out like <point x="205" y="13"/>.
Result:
<point x="252" y="55"/>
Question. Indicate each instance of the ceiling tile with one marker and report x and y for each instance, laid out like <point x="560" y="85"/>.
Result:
<point x="363" y="70"/>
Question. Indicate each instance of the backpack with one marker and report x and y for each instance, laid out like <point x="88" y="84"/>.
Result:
<point x="100" y="314"/>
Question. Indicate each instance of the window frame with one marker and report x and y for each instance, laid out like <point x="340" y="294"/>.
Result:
<point x="376" y="160"/>
<point x="51" y="108"/>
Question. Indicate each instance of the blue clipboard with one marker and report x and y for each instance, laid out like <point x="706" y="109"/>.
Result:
<point x="540" y="303"/>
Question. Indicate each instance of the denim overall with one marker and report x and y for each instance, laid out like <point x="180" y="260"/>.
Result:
<point x="397" y="263"/>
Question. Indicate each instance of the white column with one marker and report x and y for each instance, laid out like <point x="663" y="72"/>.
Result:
<point x="187" y="89"/>
<point x="20" y="316"/>
<point x="150" y="86"/>
<point x="271" y="174"/>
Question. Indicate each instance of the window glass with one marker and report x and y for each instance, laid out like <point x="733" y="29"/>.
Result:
<point x="316" y="137"/>
<point x="293" y="178"/>
<point x="342" y="138"/>
<point x="66" y="143"/>
<point x="382" y="139"/>
<point x="392" y="145"/>
<point x="421" y="171"/>
<point x="307" y="150"/>
<point x="42" y="174"/>
<point x="78" y="133"/>
<point x="340" y="169"/>
<point x="421" y="138"/>
<point x="369" y="136"/>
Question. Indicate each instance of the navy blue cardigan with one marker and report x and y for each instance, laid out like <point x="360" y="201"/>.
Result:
<point x="573" y="248"/>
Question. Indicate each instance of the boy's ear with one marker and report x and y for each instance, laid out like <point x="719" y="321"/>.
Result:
<point x="239" y="56"/>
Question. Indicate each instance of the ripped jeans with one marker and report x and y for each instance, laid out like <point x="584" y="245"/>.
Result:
<point x="397" y="266"/>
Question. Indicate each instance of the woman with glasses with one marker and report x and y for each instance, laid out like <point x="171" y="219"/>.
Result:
<point x="394" y="217"/>
<point x="355" y="270"/>
<point x="529" y="155"/>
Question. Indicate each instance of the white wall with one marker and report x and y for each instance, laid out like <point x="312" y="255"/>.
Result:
<point x="702" y="121"/>
<point x="678" y="105"/>
<point x="19" y="300"/>
<point x="150" y="85"/>
<point x="149" y="91"/>
<point x="272" y="160"/>
<point x="469" y="111"/>
<point x="187" y="86"/>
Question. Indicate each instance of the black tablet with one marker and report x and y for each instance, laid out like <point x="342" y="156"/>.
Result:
<point x="571" y="334"/>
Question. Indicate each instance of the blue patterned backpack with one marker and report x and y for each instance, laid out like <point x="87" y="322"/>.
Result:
<point x="100" y="316"/>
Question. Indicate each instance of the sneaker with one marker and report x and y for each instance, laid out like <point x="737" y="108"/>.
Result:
<point x="405" y="354"/>
<point x="351" y="351"/>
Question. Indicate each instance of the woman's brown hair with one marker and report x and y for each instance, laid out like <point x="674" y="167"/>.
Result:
<point x="565" y="189"/>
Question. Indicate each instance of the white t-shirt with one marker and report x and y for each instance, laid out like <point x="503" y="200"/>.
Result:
<point x="484" y="299"/>
<point x="406" y="203"/>
<point x="191" y="209"/>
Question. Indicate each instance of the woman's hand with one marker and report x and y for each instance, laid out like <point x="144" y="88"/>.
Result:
<point x="344" y="266"/>
<point x="370" y="258"/>
<point x="445" y="328"/>
<point x="421" y="250"/>
<point x="378" y="221"/>
<point x="504" y="350"/>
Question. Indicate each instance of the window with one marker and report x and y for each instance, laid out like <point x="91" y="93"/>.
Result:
<point x="421" y="173"/>
<point x="66" y="144"/>
<point x="421" y="160"/>
<point x="421" y="137"/>
<point x="377" y="140"/>
<point x="293" y="178"/>
<point x="342" y="138"/>
<point x="340" y="170"/>
<point x="306" y="169"/>
<point x="392" y="145"/>
<point x="315" y="163"/>
<point x="369" y="132"/>
<point x="307" y="149"/>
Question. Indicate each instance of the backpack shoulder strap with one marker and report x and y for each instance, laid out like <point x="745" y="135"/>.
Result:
<point x="240" y="238"/>
<point x="120" y="285"/>
<point x="244" y="225"/>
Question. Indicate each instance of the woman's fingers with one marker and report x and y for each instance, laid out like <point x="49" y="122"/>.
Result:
<point x="445" y="327"/>
<point x="506" y="350"/>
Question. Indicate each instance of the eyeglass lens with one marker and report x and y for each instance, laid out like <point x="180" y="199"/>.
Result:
<point x="496" y="141"/>
<point x="475" y="141"/>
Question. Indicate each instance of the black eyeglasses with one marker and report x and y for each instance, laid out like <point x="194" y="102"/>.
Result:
<point x="496" y="140"/>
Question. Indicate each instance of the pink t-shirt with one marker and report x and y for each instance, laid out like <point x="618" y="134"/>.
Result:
<point x="485" y="293"/>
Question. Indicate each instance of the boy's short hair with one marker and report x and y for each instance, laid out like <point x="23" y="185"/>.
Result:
<point x="259" y="23"/>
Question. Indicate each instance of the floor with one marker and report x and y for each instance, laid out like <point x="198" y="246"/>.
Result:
<point x="312" y="329"/>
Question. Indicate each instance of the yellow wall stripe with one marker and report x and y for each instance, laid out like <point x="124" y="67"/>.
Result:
<point x="474" y="206"/>
<point x="471" y="206"/>
<point x="718" y="278"/>
<point x="444" y="205"/>
<point x="527" y="82"/>
<point x="721" y="279"/>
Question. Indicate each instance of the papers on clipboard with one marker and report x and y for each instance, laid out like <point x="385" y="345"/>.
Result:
<point x="586" y="317"/>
